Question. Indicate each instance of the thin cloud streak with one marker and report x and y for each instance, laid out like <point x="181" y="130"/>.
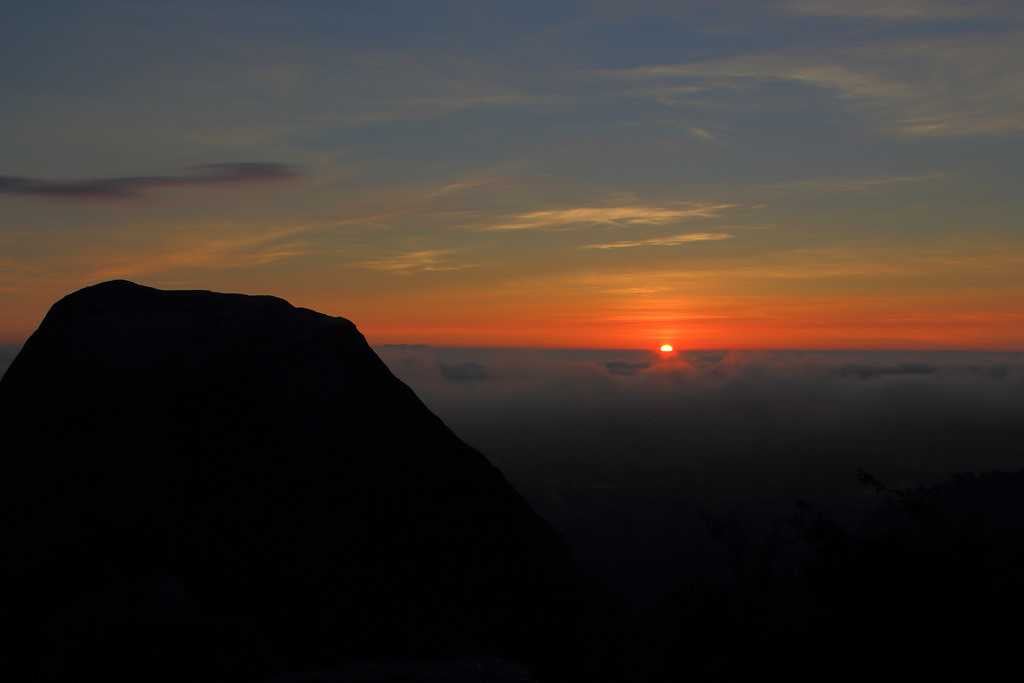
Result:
<point x="848" y="82"/>
<point x="702" y="134"/>
<point x="609" y="215"/>
<point x="890" y="9"/>
<point x="239" y="252"/>
<point x="854" y="184"/>
<point x="424" y="261"/>
<point x="426" y="108"/>
<point x="669" y="241"/>
<point x="461" y="186"/>
<point x="130" y="187"/>
<point x="921" y="88"/>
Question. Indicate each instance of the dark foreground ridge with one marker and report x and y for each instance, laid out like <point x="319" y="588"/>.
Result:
<point x="204" y="486"/>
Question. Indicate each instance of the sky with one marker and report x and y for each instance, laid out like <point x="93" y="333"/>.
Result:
<point x="813" y="174"/>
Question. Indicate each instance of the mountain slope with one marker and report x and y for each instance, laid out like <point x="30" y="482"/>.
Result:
<point x="245" y="484"/>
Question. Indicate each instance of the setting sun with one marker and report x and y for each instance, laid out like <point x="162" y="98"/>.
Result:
<point x="666" y="348"/>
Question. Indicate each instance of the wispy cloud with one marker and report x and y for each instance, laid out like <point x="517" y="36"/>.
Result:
<point x="798" y="266"/>
<point x="924" y="87"/>
<point x="855" y="184"/>
<point x="129" y="187"/>
<point x="668" y="241"/>
<point x="461" y="186"/>
<point x="635" y="291"/>
<point x="769" y="67"/>
<point x="609" y="215"/>
<point x="425" y="261"/>
<point x="702" y="134"/>
<point x="891" y="9"/>
<point x="229" y="252"/>
<point x="383" y="86"/>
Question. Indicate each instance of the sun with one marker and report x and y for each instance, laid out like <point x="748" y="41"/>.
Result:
<point x="666" y="348"/>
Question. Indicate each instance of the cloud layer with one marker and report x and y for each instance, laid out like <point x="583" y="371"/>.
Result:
<point x="610" y="215"/>
<point x="627" y="452"/>
<point x="935" y="86"/>
<point x="423" y="261"/>
<point x="668" y="241"/>
<point x="129" y="187"/>
<point x="892" y="9"/>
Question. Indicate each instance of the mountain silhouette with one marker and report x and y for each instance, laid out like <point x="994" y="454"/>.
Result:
<point x="204" y="486"/>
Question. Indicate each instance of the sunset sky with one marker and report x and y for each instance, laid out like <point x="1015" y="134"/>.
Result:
<point x="705" y="173"/>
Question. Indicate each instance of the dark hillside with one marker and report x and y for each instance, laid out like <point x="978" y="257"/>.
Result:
<point x="225" y="486"/>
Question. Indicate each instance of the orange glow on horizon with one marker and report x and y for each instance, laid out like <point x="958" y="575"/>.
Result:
<point x="666" y="348"/>
<point x="839" y="322"/>
<point x="572" y="311"/>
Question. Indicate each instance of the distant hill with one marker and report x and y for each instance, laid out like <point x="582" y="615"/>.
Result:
<point x="203" y="486"/>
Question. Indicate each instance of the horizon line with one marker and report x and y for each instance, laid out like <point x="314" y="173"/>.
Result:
<point x="700" y="349"/>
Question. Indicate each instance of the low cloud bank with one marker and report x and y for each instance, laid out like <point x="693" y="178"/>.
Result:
<point x="731" y="416"/>
<point x="627" y="453"/>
